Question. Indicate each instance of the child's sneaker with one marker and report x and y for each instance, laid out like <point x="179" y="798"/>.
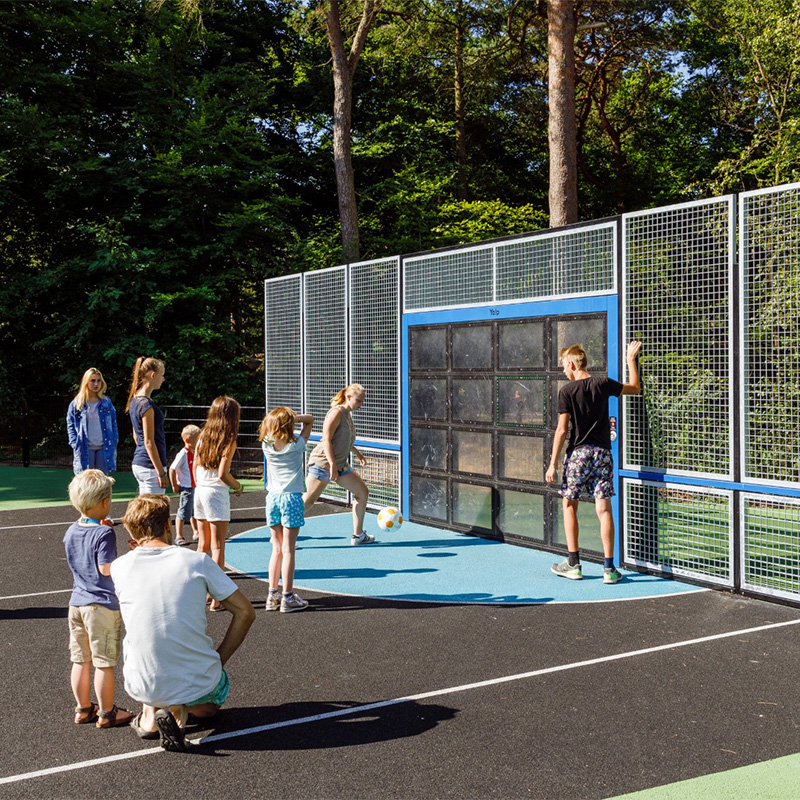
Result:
<point x="273" y="600"/>
<point x="362" y="538"/>
<point x="611" y="575"/>
<point x="293" y="603"/>
<point x="564" y="570"/>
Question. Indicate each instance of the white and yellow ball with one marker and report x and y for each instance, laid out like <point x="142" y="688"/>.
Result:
<point x="390" y="518"/>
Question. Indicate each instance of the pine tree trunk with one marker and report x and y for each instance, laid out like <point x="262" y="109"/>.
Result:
<point x="562" y="128"/>
<point x="460" y="113"/>
<point x="342" y="156"/>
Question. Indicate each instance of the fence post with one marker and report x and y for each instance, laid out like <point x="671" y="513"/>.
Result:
<point x="26" y="439"/>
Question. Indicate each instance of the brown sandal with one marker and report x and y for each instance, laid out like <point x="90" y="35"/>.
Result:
<point x="85" y="714"/>
<point x="114" y="718"/>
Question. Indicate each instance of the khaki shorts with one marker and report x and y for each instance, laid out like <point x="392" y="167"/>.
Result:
<point x="94" y="634"/>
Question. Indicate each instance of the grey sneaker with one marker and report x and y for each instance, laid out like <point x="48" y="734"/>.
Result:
<point x="273" y="601"/>
<point x="362" y="538"/>
<point x="611" y="575"/>
<point x="564" y="570"/>
<point x="293" y="603"/>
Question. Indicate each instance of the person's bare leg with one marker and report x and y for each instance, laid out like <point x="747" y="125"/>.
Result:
<point x="219" y="530"/>
<point x="287" y="567"/>
<point x="570" y="508"/>
<point x="203" y="536"/>
<point x="80" y="680"/>
<point x="203" y="710"/>
<point x="147" y="720"/>
<point x="276" y="557"/>
<point x="178" y="528"/>
<point x="314" y="488"/>
<point x="360" y="492"/>
<point x="602" y="507"/>
<point x="104" y="687"/>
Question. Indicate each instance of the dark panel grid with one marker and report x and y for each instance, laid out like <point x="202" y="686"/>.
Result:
<point x="482" y="417"/>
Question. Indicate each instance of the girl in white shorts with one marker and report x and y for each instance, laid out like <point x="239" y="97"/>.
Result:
<point x="212" y="462"/>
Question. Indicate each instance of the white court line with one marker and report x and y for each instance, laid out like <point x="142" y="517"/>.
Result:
<point x="346" y="712"/>
<point x="69" y="522"/>
<point x="34" y="594"/>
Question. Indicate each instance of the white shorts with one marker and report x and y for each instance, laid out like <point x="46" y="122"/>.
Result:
<point x="147" y="478"/>
<point x="212" y="503"/>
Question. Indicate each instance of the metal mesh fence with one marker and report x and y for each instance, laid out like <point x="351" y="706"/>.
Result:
<point x="770" y="268"/>
<point x="771" y="545"/>
<point x="325" y="331"/>
<point x="677" y="299"/>
<point x="381" y="474"/>
<point x="375" y="346"/>
<point x="249" y="459"/>
<point x="681" y="530"/>
<point x="568" y="263"/>
<point x="459" y="278"/>
<point x="573" y="262"/>
<point x="283" y="341"/>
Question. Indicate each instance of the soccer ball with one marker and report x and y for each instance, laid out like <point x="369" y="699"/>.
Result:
<point x="390" y="518"/>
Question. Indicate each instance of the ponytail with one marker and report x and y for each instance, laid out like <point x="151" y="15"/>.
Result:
<point x="339" y="398"/>
<point x="142" y="366"/>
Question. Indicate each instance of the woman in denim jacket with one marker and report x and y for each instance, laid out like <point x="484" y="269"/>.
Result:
<point x="92" y="426"/>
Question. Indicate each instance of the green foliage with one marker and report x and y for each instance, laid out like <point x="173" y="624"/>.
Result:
<point x="155" y="168"/>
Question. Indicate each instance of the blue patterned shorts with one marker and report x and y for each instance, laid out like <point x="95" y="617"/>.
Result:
<point x="588" y="474"/>
<point x="285" y="508"/>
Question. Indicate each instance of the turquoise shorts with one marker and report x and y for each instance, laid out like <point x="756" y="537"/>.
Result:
<point x="285" y="508"/>
<point x="218" y="695"/>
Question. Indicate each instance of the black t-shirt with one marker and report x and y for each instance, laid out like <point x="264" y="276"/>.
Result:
<point x="586" y="402"/>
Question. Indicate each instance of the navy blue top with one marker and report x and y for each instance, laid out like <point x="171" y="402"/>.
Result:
<point x="87" y="546"/>
<point x="138" y="408"/>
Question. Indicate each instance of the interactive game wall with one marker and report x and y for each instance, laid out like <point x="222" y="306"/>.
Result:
<point x="709" y="464"/>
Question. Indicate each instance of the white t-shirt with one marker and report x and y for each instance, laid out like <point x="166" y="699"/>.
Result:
<point x="285" y="467"/>
<point x="182" y="470"/>
<point x="169" y="659"/>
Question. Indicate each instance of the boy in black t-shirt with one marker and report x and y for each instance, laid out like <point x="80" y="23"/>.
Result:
<point x="588" y="466"/>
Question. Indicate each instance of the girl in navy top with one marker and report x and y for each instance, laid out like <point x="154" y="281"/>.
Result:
<point x="150" y="457"/>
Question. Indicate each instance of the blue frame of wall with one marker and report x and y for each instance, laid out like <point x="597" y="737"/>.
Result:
<point x="607" y="303"/>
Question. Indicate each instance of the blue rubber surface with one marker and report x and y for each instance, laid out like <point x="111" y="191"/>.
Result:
<point x="425" y="564"/>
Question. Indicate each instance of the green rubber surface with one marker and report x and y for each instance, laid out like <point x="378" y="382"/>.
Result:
<point x="40" y="487"/>
<point x="778" y="779"/>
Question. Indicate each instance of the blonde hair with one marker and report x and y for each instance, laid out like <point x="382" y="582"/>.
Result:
<point x="574" y="353"/>
<point x="219" y="432"/>
<point x="82" y="398"/>
<point x="278" y="424"/>
<point x="339" y="398"/>
<point x="89" y="488"/>
<point x="142" y="366"/>
<point x="189" y="431"/>
<point x="147" y="517"/>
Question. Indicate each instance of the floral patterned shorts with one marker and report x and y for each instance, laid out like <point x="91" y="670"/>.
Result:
<point x="588" y="474"/>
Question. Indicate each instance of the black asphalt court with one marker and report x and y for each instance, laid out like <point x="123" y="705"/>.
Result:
<point x="365" y="698"/>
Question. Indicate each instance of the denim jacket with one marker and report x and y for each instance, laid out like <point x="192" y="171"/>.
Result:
<point x="77" y="430"/>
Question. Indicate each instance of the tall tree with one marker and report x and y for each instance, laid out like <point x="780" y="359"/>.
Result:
<point x="345" y="60"/>
<point x="561" y="26"/>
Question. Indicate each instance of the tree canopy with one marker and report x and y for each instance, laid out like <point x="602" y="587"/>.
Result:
<point x="156" y="167"/>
